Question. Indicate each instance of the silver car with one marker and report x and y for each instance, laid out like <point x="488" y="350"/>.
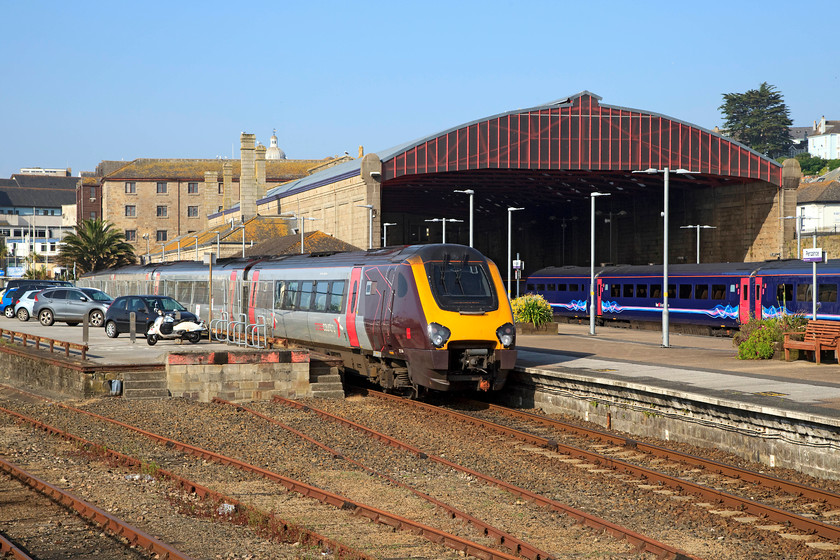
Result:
<point x="23" y="308"/>
<point x="71" y="305"/>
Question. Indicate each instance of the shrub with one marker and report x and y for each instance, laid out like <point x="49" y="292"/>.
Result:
<point x="757" y="338"/>
<point x="531" y="308"/>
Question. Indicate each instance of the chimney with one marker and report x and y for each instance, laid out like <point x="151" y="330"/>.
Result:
<point x="247" y="177"/>
<point x="260" y="168"/>
<point x="227" y="173"/>
<point x="211" y="194"/>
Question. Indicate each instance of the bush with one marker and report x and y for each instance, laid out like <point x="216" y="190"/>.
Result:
<point x="757" y="339"/>
<point x="531" y="308"/>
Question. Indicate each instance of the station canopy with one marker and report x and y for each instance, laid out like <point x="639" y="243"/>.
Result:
<point x="562" y="151"/>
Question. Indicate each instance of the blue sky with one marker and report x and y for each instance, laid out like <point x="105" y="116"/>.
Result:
<point x="89" y="81"/>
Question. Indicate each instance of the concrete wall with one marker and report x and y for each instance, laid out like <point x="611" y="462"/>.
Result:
<point x="238" y="376"/>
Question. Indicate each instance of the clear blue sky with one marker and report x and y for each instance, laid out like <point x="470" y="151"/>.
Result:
<point x="88" y="81"/>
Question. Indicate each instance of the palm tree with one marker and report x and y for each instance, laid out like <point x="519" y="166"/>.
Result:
<point x="95" y="245"/>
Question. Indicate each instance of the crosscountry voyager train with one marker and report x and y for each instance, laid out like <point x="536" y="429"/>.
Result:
<point x="719" y="296"/>
<point x="413" y="318"/>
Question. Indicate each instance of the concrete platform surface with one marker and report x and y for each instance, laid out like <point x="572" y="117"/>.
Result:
<point x="699" y="367"/>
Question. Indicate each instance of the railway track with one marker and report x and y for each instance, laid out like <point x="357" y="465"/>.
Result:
<point x="672" y="470"/>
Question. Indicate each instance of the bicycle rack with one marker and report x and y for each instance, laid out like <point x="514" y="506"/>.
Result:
<point x="236" y="331"/>
<point x="256" y="333"/>
<point x="218" y="327"/>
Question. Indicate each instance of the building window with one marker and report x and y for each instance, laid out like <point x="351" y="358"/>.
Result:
<point x="160" y="235"/>
<point x="220" y="208"/>
<point x="221" y="188"/>
<point x="161" y="187"/>
<point x="93" y="215"/>
<point x="130" y="211"/>
<point x="192" y="188"/>
<point x="130" y="187"/>
<point x="161" y="211"/>
<point x="192" y="211"/>
<point x="131" y="235"/>
<point x="92" y="193"/>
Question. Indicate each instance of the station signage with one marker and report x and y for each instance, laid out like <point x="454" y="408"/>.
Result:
<point x="518" y="265"/>
<point x="812" y="255"/>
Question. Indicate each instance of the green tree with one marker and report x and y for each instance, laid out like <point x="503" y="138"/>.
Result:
<point x="810" y="165"/>
<point x="95" y="245"/>
<point x="758" y="118"/>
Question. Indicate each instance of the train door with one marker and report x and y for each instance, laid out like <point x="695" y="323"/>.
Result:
<point x="252" y="294"/>
<point x="599" y="288"/>
<point x="744" y="301"/>
<point x="352" y="305"/>
<point x="759" y="291"/>
<point x="386" y="309"/>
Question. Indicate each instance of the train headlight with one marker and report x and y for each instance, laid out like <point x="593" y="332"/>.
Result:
<point x="506" y="334"/>
<point x="438" y="334"/>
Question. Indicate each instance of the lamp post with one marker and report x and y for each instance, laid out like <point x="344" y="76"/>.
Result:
<point x="592" y="198"/>
<point x="510" y="211"/>
<point x="698" y="228"/>
<point x="301" y="221"/>
<point x="196" y="245"/>
<point x="385" y="233"/>
<point x="444" y="220"/>
<point x="665" y="183"/>
<point x="370" y="223"/>
<point x="471" y="193"/>
<point x="799" y="217"/>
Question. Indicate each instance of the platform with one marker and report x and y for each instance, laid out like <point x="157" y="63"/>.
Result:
<point x="697" y="390"/>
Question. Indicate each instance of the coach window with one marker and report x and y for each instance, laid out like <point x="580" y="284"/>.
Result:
<point x="322" y="290"/>
<point x="337" y="294"/>
<point x="561" y="287"/>
<point x="279" y="291"/>
<point x="574" y="287"/>
<point x="530" y="287"/>
<point x="803" y="292"/>
<point x="718" y="292"/>
<point x="305" y="295"/>
<point x="656" y="291"/>
<point x="828" y="293"/>
<point x="685" y="291"/>
<point x="290" y="297"/>
<point x="540" y="287"/>
<point x="628" y="290"/>
<point x="615" y="290"/>
<point x="641" y="290"/>
<point x="701" y="291"/>
<point x="784" y="292"/>
<point x="549" y="287"/>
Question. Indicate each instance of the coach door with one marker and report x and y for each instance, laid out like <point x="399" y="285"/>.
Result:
<point x="744" y="301"/>
<point x="759" y="290"/>
<point x="599" y="288"/>
<point x="352" y="305"/>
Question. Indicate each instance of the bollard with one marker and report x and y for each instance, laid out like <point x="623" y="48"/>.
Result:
<point x="85" y="330"/>
<point x="132" y="326"/>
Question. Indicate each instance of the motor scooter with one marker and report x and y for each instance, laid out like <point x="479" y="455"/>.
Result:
<point x="166" y="327"/>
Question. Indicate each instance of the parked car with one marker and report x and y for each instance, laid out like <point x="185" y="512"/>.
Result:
<point x="145" y="309"/>
<point x="71" y="305"/>
<point x="23" y="307"/>
<point x="10" y="298"/>
<point x="17" y="286"/>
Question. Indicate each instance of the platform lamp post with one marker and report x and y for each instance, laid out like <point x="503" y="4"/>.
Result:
<point x="698" y="228"/>
<point x="798" y="218"/>
<point x="196" y="245"/>
<point x="471" y="193"/>
<point x="370" y="223"/>
<point x="592" y="197"/>
<point x="385" y="233"/>
<point x="510" y="211"/>
<point x="665" y="181"/>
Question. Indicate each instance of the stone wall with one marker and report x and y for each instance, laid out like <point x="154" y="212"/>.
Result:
<point x="241" y="376"/>
<point x="45" y="373"/>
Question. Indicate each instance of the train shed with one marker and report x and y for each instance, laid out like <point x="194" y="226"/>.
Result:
<point x="548" y="160"/>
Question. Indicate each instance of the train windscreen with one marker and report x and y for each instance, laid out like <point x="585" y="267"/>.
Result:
<point x="461" y="285"/>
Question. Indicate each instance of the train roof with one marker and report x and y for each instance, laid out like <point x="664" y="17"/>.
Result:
<point x="778" y="267"/>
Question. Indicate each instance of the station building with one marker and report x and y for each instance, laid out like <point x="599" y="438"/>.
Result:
<point x="548" y="161"/>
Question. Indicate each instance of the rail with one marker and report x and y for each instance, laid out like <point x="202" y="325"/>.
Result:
<point x="50" y="343"/>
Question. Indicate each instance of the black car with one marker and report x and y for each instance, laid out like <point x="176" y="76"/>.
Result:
<point x="145" y="309"/>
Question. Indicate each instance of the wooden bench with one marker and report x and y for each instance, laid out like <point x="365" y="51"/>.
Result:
<point x="819" y="335"/>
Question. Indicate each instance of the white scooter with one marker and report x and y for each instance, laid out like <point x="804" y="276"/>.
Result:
<point x="166" y="327"/>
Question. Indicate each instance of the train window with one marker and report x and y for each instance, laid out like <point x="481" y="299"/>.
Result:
<point x="656" y="291"/>
<point x="784" y="293"/>
<point x="540" y="287"/>
<point x="672" y="291"/>
<point x="290" y="296"/>
<point x="305" y="295"/>
<point x="561" y="287"/>
<point x="336" y="296"/>
<point x="530" y="287"/>
<point x="718" y="291"/>
<point x="370" y="287"/>
<point x="803" y="292"/>
<point x="459" y="285"/>
<point x="549" y="287"/>
<point x="628" y="290"/>
<point x="279" y="292"/>
<point x="685" y="291"/>
<point x="615" y="290"/>
<point x="641" y="290"/>
<point x="575" y="288"/>
<point x="701" y="291"/>
<point x="322" y="289"/>
<point x="828" y="293"/>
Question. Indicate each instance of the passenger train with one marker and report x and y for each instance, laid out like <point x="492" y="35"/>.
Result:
<point x="415" y="318"/>
<point x="718" y="296"/>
